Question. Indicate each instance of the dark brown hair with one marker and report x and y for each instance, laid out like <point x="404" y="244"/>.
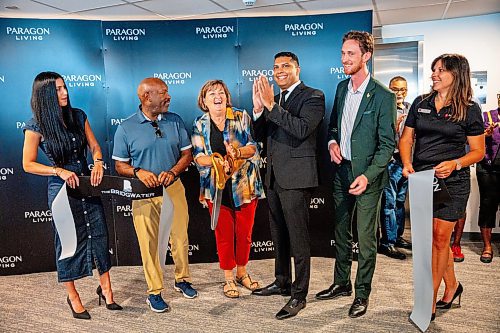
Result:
<point x="460" y="93"/>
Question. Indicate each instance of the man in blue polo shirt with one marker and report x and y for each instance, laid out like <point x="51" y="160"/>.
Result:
<point x="153" y="146"/>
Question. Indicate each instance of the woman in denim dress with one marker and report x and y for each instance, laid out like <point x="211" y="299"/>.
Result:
<point x="63" y="133"/>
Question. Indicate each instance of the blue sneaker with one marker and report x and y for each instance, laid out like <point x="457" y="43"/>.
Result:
<point x="157" y="304"/>
<point x="186" y="289"/>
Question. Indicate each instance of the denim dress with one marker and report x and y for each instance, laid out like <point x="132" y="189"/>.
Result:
<point x="88" y="214"/>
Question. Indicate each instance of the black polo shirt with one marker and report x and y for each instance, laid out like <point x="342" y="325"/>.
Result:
<point x="437" y="138"/>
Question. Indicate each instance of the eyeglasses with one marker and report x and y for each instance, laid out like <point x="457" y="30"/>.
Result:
<point x="157" y="129"/>
<point x="401" y="90"/>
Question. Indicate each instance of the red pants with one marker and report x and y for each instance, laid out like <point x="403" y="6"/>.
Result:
<point x="234" y="223"/>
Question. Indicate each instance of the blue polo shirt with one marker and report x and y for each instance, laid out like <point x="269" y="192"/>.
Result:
<point x="137" y="142"/>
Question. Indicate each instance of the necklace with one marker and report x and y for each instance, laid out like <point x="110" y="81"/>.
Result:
<point x="218" y="123"/>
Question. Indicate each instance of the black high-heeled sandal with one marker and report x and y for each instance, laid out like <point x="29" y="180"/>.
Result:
<point x="81" y="315"/>
<point x="458" y="293"/>
<point x="112" y="306"/>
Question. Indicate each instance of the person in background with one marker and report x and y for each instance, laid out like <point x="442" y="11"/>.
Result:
<point x="64" y="134"/>
<point x="488" y="179"/>
<point x="394" y="195"/>
<point x="226" y="130"/>
<point x="153" y="146"/>
<point x="441" y="123"/>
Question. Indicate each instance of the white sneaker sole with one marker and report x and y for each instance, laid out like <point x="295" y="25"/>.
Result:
<point x="186" y="296"/>
<point x="156" y="310"/>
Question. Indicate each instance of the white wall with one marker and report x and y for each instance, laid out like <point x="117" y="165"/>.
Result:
<point x="478" y="39"/>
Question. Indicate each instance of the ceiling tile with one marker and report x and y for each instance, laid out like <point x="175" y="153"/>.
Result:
<point x="472" y="7"/>
<point x="26" y="9"/>
<point x="180" y="7"/>
<point x="239" y="5"/>
<point x="124" y="12"/>
<point x="404" y="15"/>
<point x="73" y="6"/>
<point x="406" y="4"/>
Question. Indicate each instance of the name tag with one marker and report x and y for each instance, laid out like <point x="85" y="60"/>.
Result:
<point x="424" y="110"/>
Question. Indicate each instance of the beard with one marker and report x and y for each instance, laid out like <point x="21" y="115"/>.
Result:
<point x="354" y="68"/>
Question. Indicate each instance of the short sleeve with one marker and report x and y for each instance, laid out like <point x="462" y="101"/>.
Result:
<point x="32" y="126"/>
<point x="185" y="142"/>
<point x="120" y="147"/>
<point x="411" y="119"/>
<point x="474" y="121"/>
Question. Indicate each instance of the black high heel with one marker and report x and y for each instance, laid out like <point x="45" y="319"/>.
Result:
<point x="112" y="306"/>
<point x="433" y="316"/>
<point x="458" y="293"/>
<point x="81" y="315"/>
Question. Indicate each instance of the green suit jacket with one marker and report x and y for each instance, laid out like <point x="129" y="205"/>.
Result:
<point x="373" y="134"/>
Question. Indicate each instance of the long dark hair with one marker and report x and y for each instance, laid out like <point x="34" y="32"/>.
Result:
<point x="460" y="93"/>
<point x="56" y="123"/>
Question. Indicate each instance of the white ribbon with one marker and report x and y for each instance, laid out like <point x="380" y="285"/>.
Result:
<point x="64" y="222"/>
<point x="421" y="213"/>
<point x="166" y="219"/>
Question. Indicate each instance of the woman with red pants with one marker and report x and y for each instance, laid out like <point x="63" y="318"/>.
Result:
<point x="225" y="130"/>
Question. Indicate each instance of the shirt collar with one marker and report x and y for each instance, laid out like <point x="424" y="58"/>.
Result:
<point x="361" y="88"/>
<point x="291" y="88"/>
<point x="145" y="118"/>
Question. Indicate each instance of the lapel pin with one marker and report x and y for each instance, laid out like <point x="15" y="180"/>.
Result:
<point x="368" y="95"/>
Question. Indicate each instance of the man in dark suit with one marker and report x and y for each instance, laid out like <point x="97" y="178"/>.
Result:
<point x="361" y="137"/>
<point x="290" y="122"/>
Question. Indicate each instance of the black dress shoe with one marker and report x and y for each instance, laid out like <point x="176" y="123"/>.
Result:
<point x="391" y="252"/>
<point x="403" y="243"/>
<point x="358" y="307"/>
<point x="272" y="289"/>
<point x="291" y="308"/>
<point x="335" y="291"/>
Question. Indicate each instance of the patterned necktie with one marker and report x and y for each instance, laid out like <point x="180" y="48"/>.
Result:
<point x="282" y="97"/>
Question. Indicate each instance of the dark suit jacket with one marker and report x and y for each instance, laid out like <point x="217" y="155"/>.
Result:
<point x="291" y="133"/>
<point x="373" y="134"/>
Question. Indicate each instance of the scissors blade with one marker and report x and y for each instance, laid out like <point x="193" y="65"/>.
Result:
<point x="216" y="208"/>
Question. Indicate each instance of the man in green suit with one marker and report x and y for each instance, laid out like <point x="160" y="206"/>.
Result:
<point x="361" y="137"/>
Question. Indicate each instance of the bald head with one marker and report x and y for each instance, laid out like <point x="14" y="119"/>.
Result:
<point x="154" y="96"/>
<point x="149" y="84"/>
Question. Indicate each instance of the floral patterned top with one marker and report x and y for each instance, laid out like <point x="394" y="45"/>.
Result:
<point x="246" y="182"/>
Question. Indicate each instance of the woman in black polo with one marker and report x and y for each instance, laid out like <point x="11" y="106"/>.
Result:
<point x="441" y="123"/>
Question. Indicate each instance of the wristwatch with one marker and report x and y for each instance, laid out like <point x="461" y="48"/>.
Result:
<point x="459" y="165"/>
<point x="135" y="171"/>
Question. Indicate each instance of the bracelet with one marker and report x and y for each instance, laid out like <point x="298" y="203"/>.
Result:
<point x="54" y="170"/>
<point x="60" y="172"/>
<point x="170" y="172"/>
<point x="238" y="153"/>
<point x="135" y="171"/>
<point x="98" y="160"/>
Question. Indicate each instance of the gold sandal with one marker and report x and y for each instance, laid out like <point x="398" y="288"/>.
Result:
<point x="232" y="291"/>
<point x="250" y="286"/>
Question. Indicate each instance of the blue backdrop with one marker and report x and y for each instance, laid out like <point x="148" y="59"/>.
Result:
<point x="103" y="62"/>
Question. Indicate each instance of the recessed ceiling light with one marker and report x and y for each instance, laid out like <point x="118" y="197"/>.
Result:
<point x="12" y="7"/>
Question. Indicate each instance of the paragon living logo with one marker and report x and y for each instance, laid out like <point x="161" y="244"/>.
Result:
<point x="215" y="32"/>
<point x="38" y="216"/>
<point x="338" y="73"/>
<point x="263" y="246"/>
<point x="25" y="34"/>
<point x="10" y="261"/>
<point x="191" y="248"/>
<point x="303" y="29"/>
<point x="125" y="34"/>
<point x="174" y="78"/>
<point x="5" y="172"/>
<point x="117" y="121"/>
<point x="316" y="203"/>
<point x="82" y="80"/>
<point x="252" y="74"/>
<point x="125" y="210"/>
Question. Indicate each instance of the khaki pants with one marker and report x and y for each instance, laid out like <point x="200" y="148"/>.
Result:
<point x="146" y="216"/>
